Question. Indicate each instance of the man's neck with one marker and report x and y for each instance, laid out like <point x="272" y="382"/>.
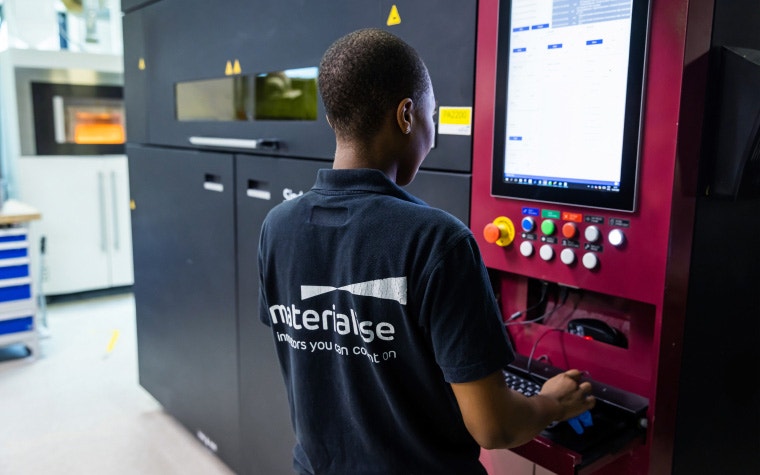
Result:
<point x="351" y="155"/>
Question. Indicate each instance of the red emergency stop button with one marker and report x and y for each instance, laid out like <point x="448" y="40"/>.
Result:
<point x="500" y="232"/>
<point x="569" y="230"/>
<point x="492" y="233"/>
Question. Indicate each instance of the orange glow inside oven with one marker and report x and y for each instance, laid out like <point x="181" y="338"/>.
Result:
<point x="98" y="128"/>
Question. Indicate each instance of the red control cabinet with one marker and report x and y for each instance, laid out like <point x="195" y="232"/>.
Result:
<point x="628" y="270"/>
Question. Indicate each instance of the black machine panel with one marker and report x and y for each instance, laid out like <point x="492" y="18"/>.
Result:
<point x="228" y="53"/>
<point x="447" y="191"/>
<point x="722" y="438"/>
<point x="184" y="259"/>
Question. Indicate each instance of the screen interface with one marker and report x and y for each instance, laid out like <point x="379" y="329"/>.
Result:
<point x="569" y="87"/>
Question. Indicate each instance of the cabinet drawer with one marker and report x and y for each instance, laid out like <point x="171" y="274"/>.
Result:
<point x="15" y="289"/>
<point x="13" y="244"/>
<point x="14" y="268"/>
<point x="13" y="236"/>
<point x="17" y="325"/>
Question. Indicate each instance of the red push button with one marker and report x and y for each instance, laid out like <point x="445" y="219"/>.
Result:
<point x="569" y="230"/>
<point x="500" y="232"/>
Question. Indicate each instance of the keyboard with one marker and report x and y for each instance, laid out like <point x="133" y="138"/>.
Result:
<point x="614" y="422"/>
<point x="522" y="385"/>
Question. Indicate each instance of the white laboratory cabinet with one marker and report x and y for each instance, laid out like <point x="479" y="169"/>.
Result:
<point x="86" y="221"/>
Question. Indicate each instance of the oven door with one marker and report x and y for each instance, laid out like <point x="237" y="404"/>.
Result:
<point x="70" y="112"/>
<point x="77" y="119"/>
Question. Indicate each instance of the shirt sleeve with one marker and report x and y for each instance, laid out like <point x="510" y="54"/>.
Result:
<point x="466" y="328"/>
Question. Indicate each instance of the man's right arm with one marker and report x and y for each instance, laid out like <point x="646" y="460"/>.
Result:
<point x="498" y="417"/>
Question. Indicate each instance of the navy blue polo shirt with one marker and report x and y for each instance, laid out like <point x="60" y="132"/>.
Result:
<point x="376" y="303"/>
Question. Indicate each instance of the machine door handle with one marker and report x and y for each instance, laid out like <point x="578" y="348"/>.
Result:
<point x="251" y="144"/>
<point x="102" y="199"/>
<point x="115" y="207"/>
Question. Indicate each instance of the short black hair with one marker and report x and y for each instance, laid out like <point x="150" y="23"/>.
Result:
<point x="364" y="75"/>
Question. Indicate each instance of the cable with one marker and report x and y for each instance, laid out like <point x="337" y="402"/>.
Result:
<point x="535" y="345"/>
<point x="544" y="286"/>
<point x="563" y="299"/>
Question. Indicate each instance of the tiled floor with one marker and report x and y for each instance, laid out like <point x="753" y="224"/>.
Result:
<point x="78" y="408"/>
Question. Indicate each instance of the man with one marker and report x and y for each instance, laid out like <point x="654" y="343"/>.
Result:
<point x="388" y="334"/>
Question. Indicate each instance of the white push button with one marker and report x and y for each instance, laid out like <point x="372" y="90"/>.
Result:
<point x="567" y="256"/>
<point x="616" y="237"/>
<point x="592" y="234"/>
<point x="546" y="252"/>
<point x="526" y="248"/>
<point x="590" y="261"/>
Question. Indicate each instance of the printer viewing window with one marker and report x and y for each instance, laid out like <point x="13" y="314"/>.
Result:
<point x="289" y="95"/>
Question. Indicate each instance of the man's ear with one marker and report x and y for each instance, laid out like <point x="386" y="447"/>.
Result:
<point x="404" y="115"/>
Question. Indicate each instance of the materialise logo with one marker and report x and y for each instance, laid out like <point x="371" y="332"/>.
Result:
<point x="392" y="288"/>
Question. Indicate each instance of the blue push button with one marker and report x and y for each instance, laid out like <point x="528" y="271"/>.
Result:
<point x="528" y="224"/>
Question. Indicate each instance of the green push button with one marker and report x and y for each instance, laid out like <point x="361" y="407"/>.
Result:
<point x="548" y="227"/>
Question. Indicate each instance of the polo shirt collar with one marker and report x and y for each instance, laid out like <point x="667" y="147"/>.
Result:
<point x="360" y="179"/>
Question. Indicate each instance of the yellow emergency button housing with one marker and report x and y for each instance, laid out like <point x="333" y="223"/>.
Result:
<point x="500" y="232"/>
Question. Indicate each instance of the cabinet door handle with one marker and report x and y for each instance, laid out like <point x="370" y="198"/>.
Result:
<point x="213" y="183"/>
<point x="102" y="197"/>
<point x="115" y="207"/>
<point x="259" y="190"/>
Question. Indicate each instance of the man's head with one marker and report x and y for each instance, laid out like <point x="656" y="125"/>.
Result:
<point x="363" y="76"/>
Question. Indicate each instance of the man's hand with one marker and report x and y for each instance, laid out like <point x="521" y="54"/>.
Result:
<point x="573" y="397"/>
<point x="499" y="417"/>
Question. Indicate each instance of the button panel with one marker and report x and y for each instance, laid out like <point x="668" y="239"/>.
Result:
<point x="575" y="238"/>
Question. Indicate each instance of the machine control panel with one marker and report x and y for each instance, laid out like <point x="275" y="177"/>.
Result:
<point x="572" y="237"/>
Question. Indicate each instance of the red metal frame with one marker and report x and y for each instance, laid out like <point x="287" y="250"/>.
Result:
<point x="641" y="287"/>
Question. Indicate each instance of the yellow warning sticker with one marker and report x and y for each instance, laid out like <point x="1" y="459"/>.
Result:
<point x="228" y="69"/>
<point x="455" y="120"/>
<point x="141" y="64"/>
<point x="393" y="18"/>
<point x="236" y="68"/>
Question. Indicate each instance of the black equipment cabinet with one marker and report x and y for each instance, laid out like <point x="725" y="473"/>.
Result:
<point x="184" y="258"/>
<point x="720" y="344"/>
